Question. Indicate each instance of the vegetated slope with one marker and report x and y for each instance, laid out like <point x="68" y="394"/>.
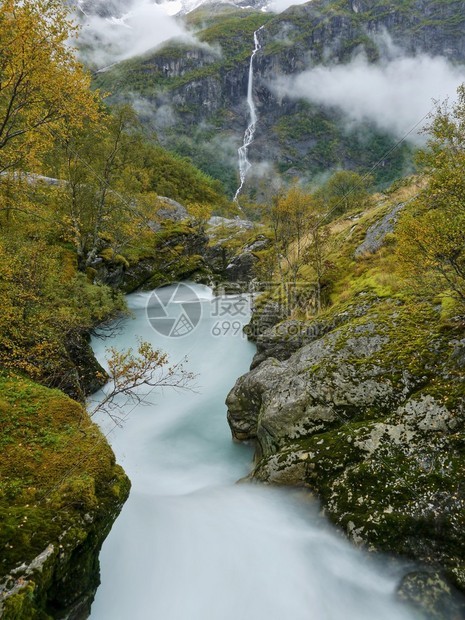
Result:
<point x="60" y="492"/>
<point x="79" y="207"/>
<point x="365" y="403"/>
<point x="195" y="96"/>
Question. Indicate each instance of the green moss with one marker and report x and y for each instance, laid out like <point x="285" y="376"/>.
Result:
<point x="107" y="254"/>
<point x="56" y="468"/>
<point x="389" y="482"/>
<point x="22" y="605"/>
<point x="119" y="259"/>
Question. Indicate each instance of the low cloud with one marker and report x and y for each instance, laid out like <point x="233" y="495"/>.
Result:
<point x="395" y="95"/>
<point x="143" y="26"/>
<point x="278" y="6"/>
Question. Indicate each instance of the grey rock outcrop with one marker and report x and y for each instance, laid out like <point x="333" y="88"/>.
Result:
<point x="233" y="248"/>
<point x="368" y="411"/>
<point x="171" y="210"/>
<point x="376" y="234"/>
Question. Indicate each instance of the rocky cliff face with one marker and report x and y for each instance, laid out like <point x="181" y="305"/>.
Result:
<point x="370" y="414"/>
<point x="221" y="250"/>
<point x="193" y="95"/>
<point x="365" y="406"/>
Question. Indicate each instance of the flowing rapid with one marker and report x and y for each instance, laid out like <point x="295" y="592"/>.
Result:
<point x="190" y="544"/>
<point x="244" y="163"/>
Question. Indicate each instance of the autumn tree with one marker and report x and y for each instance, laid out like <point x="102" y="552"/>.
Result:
<point x="43" y="89"/>
<point x="200" y="213"/>
<point x="297" y="223"/>
<point x="317" y="257"/>
<point x="289" y="218"/>
<point x="343" y="191"/>
<point x="46" y="306"/>
<point x="133" y="376"/>
<point x="431" y="234"/>
<point x="51" y="121"/>
<point x="104" y="177"/>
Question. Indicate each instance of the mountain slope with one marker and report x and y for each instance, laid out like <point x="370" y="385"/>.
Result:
<point x="195" y="96"/>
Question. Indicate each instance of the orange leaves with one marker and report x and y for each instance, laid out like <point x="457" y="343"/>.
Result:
<point x="130" y="371"/>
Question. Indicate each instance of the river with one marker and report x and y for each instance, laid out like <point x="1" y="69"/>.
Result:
<point x="190" y="544"/>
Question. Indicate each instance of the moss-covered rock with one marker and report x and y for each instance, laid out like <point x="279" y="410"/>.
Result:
<point x="60" y="492"/>
<point x="429" y="591"/>
<point x="183" y="250"/>
<point x="370" y="413"/>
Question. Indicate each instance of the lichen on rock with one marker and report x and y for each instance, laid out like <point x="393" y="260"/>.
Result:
<point x="369" y="412"/>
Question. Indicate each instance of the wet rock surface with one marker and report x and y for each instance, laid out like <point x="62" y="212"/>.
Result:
<point x="367" y="408"/>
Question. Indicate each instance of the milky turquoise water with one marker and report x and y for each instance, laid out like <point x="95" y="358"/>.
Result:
<point x="189" y="543"/>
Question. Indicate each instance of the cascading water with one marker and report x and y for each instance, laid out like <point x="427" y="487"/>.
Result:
<point x="189" y="543"/>
<point x="244" y="163"/>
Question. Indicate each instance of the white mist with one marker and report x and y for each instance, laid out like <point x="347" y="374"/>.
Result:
<point x="189" y="543"/>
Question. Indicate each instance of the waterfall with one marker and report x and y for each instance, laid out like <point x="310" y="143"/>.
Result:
<point x="244" y="163"/>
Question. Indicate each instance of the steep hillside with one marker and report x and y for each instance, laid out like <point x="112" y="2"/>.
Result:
<point x="195" y="97"/>
<point x="364" y="404"/>
<point x="80" y="210"/>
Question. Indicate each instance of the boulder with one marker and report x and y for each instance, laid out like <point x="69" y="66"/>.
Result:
<point x="367" y="409"/>
<point x="430" y="592"/>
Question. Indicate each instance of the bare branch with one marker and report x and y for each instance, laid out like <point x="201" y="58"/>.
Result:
<point x="129" y="372"/>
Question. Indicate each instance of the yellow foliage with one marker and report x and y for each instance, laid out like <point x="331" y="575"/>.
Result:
<point x="43" y="89"/>
<point x="431" y="236"/>
<point x="200" y="212"/>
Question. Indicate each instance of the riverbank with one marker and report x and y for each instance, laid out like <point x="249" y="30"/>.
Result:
<point x="190" y="542"/>
<point x="61" y="492"/>
<point x="364" y="405"/>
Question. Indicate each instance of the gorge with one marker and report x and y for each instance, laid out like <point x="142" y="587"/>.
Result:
<point x="338" y="489"/>
<point x="190" y="544"/>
